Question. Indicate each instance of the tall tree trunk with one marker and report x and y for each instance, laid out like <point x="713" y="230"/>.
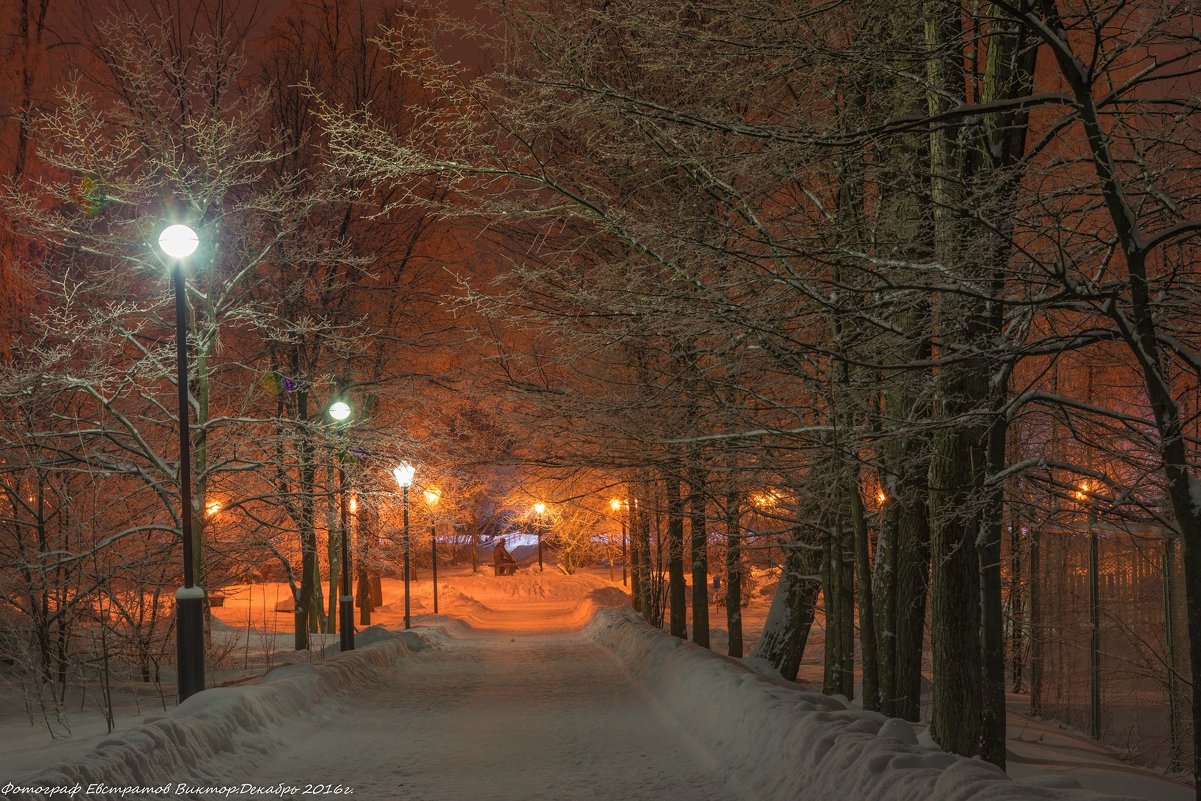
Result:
<point x="1009" y="73"/>
<point x="867" y="615"/>
<point x="847" y="417"/>
<point x="333" y="547"/>
<point x="959" y="451"/>
<point x="1036" y="642"/>
<point x="884" y="592"/>
<point x="969" y="711"/>
<point x="786" y="631"/>
<point x="700" y="552"/>
<point x="905" y="235"/>
<point x="955" y="469"/>
<point x="846" y="672"/>
<point x="675" y="552"/>
<point x="1017" y="610"/>
<point x="646" y="587"/>
<point x="317" y="620"/>
<point x="903" y="563"/>
<point x="992" y="621"/>
<point x="308" y="536"/>
<point x="363" y="588"/>
<point x="636" y="557"/>
<point x="838" y="591"/>
<point x="733" y="574"/>
<point x="912" y="588"/>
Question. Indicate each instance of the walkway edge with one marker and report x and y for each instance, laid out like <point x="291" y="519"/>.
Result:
<point x="179" y="745"/>
<point x="782" y="743"/>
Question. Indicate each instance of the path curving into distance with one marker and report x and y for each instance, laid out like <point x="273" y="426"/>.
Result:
<point x="496" y="715"/>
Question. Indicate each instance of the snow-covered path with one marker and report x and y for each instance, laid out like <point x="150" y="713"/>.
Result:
<point x="501" y="716"/>
<point x="528" y="688"/>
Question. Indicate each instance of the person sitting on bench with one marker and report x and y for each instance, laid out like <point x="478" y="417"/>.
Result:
<point x="502" y="562"/>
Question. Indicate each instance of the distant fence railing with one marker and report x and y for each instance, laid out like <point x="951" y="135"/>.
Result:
<point x="1108" y="639"/>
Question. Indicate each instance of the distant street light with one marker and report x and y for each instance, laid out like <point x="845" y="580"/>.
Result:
<point x="339" y="411"/>
<point x="178" y="242"/>
<point x="540" y="508"/>
<point x="615" y="505"/>
<point x="432" y="495"/>
<point x="404" y="478"/>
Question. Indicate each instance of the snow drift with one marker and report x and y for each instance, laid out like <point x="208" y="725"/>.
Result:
<point x="200" y="738"/>
<point x="780" y="742"/>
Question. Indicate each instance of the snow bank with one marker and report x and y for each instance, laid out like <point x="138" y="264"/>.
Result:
<point x="200" y="739"/>
<point x="781" y="742"/>
<point x="472" y="615"/>
<point x="596" y="601"/>
<point x="500" y="591"/>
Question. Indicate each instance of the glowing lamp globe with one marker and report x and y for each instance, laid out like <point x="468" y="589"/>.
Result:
<point x="178" y="241"/>
<point x="615" y="504"/>
<point x="540" y="507"/>
<point x="339" y="410"/>
<point x="404" y="474"/>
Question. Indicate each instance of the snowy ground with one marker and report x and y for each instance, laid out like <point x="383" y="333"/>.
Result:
<point x="501" y="717"/>
<point x="518" y="690"/>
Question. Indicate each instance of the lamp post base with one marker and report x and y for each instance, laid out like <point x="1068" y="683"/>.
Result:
<point x="189" y="636"/>
<point x="346" y="622"/>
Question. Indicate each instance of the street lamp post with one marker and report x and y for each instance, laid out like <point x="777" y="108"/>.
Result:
<point x="404" y="477"/>
<point x="615" y="505"/>
<point x="432" y="495"/>
<point x="540" y="509"/>
<point x="179" y="242"/>
<point x="340" y="412"/>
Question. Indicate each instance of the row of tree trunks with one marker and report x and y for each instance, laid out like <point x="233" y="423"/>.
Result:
<point x="936" y="495"/>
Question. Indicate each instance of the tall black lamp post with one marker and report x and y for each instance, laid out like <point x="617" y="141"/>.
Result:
<point x="339" y="412"/>
<point x="179" y="242"/>
<point x="404" y="478"/>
